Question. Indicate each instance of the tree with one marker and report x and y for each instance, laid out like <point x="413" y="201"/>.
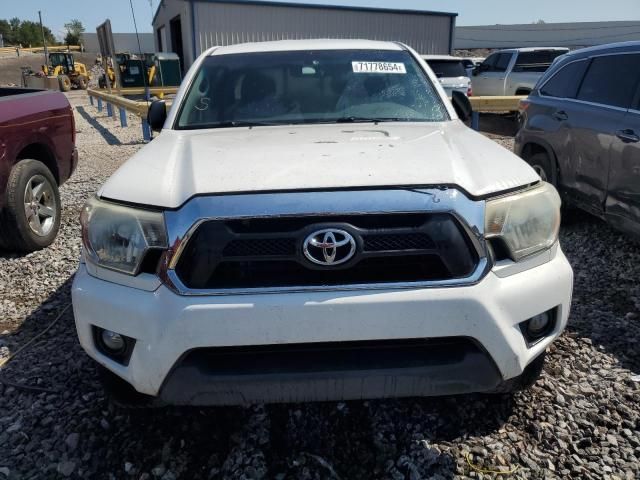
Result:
<point x="5" y="31"/>
<point x="25" y="33"/>
<point x="74" y="32"/>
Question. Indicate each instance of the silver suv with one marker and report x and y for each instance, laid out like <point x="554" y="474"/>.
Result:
<point x="581" y="131"/>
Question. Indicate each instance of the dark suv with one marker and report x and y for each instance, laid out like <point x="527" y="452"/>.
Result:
<point x="581" y="131"/>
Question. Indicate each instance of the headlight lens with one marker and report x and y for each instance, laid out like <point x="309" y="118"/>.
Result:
<point x="527" y="221"/>
<point x="117" y="237"/>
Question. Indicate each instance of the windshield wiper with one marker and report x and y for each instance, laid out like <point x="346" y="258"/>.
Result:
<point x="239" y="123"/>
<point x="354" y="119"/>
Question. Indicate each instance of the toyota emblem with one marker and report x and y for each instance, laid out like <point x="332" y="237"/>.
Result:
<point x="329" y="247"/>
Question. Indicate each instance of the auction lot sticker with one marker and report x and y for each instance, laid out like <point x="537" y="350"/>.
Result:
<point x="378" y="67"/>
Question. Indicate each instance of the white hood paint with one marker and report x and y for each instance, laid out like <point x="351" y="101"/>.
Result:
<point x="179" y="164"/>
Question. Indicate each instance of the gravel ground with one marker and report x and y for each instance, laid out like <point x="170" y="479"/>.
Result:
<point x="581" y="420"/>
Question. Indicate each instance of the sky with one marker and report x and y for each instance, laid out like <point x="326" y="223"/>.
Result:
<point x="55" y="13"/>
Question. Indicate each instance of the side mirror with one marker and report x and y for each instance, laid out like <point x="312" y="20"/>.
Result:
<point x="461" y="105"/>
<point x="157" y="114"/>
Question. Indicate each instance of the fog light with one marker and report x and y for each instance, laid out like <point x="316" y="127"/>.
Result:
<point x="113" y="341"/>
<point x="538" y="325"/>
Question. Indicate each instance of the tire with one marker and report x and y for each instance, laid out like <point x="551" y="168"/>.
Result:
<point x="64" y="82"/>
<point x="524" y="91"/>
<point x="543" y="166"/>
<point x="31" y="187"/>
<point x="82" y="82"/>
<point x="526" y="380"/>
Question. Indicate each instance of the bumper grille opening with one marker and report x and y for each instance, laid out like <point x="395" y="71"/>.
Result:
<point x="268" y="252"/>
<point x="331" y="357"/>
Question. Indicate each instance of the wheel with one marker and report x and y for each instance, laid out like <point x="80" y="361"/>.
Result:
<point x="526" y="380"/>
<point x="64" y="82"/>
<point x="541" y="163"/>
<point x="82" y="82"/>
<point x="31" y="217"/>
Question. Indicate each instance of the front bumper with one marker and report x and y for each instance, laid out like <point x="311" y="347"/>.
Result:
<point x="168" y="327"/>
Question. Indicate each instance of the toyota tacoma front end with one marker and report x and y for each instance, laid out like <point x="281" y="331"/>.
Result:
<point x="314" y="222"/>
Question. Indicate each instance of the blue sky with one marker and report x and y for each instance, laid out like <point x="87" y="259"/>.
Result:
<point x="471" y="12"/>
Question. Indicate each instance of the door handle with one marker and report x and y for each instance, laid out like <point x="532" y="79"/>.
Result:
<point x="628" y="136"/>
<point x="560" y="116"/>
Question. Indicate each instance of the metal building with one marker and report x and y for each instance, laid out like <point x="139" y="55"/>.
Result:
<point x="188" y="27"/>
<point x="577" y="34"/>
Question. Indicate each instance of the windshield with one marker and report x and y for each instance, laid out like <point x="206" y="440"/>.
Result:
<point x="447" y="68"/>
<point x="328" y="86"/>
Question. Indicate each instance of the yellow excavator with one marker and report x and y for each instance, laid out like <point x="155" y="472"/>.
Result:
<point x="69" y="72"/>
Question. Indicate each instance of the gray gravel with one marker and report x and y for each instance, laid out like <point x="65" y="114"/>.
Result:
<point x="581" y="420"/>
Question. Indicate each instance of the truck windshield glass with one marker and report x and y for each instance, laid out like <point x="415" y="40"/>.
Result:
<point x="329" y="86"/>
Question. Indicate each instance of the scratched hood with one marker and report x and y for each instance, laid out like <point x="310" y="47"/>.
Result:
<point x="179" y="164"/>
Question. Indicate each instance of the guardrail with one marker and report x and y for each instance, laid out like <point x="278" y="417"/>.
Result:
<point x="492" y="104"/>
<point x="53" y="48"/>
<point x="152" y="90"/>
<point x="137" y="107"/>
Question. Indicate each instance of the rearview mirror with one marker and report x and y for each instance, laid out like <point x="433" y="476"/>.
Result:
<point x="157" y="114"/>
<point x="461" y="105"/>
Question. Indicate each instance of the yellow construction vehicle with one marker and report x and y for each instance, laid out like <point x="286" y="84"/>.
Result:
<point x="69" y="72"/>
<point x="149" y="69"/>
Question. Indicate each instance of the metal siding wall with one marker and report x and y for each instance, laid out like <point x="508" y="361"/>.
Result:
<point x="226" y="24"/>
<point x="579" y="34"/>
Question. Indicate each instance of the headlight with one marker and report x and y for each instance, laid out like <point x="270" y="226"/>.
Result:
<point x="527" y="221"/>
<point x="117" y="237"/>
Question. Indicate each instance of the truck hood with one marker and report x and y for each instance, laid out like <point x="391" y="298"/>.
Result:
<point x="179" y="164"/>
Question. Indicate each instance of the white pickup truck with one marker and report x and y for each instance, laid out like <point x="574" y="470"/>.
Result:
<point x="514" y="71"/>
<point x="314" y="222"/>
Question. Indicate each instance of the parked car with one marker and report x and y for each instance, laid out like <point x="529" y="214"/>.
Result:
<point x="37" y="154"/>
<point x="470" y="63"/>
<point x="450" y="72"/>
<point x="514" y="71"/>
<point x="581" y="131"/>
<point x="314" y="222"/>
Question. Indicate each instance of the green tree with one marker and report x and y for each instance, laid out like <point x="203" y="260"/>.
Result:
<point x="5" y="31"/>
<point x="74" y="32"/>
<point x="29" y="34"/>
<point x="25" y="33"/>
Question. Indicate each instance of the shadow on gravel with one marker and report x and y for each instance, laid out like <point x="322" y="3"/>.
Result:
<point x="504" y="124"/>
<point x="109" y="137"/>
<point x="8" y="254"/>
<point x="606" y="295"/>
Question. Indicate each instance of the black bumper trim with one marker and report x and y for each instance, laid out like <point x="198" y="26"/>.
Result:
<point x="330" y="372"/>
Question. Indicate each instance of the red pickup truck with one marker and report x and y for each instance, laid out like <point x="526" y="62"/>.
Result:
<point x="37" y="154"/>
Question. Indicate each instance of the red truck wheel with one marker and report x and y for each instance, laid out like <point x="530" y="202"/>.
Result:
<point x="31" y="217"/>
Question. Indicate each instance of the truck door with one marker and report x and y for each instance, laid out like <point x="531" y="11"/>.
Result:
<point x="622" y="206"/>
<point x="489" y="77"/>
